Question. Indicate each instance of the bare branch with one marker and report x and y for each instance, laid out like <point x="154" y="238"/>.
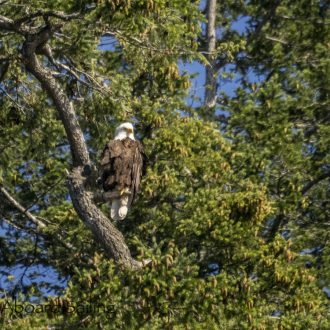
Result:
<point x="283" y="42"/>
<point x="18" y="26"/>
<point x="63" y="105"/>
<point x="4" y="58"/>
<point x="16" y="226"/>
<point x="12" y="100"/>
<point x="211" y="86"/>
<point x="34" y="219"/>
<point x="20" y="208"/>
<point x="8" y="24"/>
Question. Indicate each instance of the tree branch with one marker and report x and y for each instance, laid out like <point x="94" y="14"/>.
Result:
<point x="20" y="208"/>
<point x="146" y="44"/>
<point x="17" y="226"/>
<point x="210" y="97"/>
<point x="63" y="105"/>
<point x="50" y="13"/>
<point x="19" y="27"/>
<point x="20" y="107"/>
<point x="94" y="84"/>
<point x="281" y="41"/>
<point x="36" y="220"/>
<point x="104" y="231"/>
<point x="6" y="23"/>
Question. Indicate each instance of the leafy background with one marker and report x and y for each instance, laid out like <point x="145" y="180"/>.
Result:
<point x="234" y="209"/>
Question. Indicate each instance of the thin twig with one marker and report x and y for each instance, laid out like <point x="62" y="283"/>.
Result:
<point x="30" y="263"/>
<point x="283" y="42"/>
<point x="313" y="19"/>
<point x="145" y="45"/>
<point x="73" y="73"/>
<point x="31" y="217"/>
<point x="16" y="226"/>
<point x="12" y="100"/>
<point x="22" y="209"/>
<point x="40" y="13"/>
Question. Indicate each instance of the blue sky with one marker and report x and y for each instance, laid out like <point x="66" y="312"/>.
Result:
<point x="196" y="69"/>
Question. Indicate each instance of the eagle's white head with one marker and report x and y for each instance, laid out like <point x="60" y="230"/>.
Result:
<point x="123" y="131"/>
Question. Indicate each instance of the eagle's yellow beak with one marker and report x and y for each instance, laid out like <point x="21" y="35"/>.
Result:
<point x="129" y="130"/>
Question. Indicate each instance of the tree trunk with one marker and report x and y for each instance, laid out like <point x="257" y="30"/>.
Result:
<point x="103" y="230"/>
<point x="211" y="85"/>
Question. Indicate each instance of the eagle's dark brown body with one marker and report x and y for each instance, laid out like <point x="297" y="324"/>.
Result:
<point x="123" y="163"/>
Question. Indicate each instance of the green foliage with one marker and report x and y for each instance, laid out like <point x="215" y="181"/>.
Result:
<point x="281" y="123"/>
<point x="211" y="196"/>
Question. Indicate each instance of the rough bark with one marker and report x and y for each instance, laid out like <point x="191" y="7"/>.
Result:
<point x="211" y="85"/>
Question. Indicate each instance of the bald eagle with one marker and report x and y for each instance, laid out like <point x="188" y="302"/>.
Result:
<point x="123" y="164"/>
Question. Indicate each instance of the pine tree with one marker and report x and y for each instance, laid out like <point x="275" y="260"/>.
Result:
<point x="215" y="197"/>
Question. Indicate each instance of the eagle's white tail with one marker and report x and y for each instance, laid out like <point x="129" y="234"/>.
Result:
<point x="119" y="208"/>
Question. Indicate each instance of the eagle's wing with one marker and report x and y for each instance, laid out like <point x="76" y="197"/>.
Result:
<point x="145" y="159"/>
<point x="138" y="170"/>
<point x="110" y="152"/>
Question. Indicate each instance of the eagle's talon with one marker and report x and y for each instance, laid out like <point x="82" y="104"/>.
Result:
<point x="125" y="191"/>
